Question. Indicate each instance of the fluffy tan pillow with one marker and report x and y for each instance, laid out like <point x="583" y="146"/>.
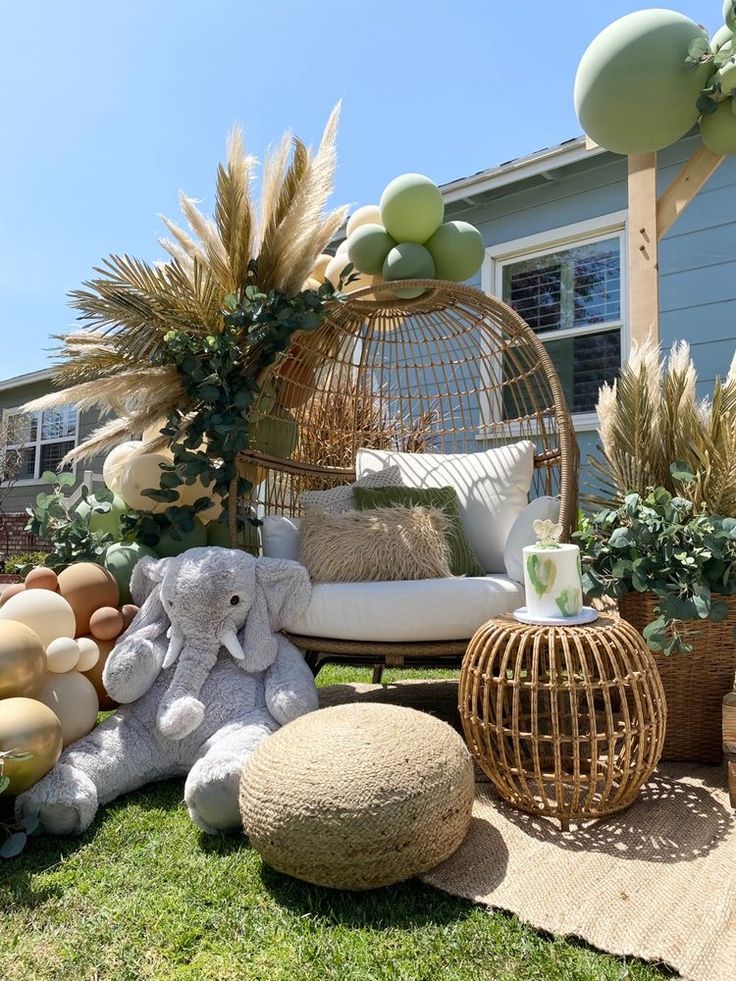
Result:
<point x="379" y="545"/>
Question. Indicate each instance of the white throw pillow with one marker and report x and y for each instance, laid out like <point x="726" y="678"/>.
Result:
<point x="280" y="537"/>
<point x="522" y="533"/>
<point x="338" y="500"/>
<point x="492" y="487"/>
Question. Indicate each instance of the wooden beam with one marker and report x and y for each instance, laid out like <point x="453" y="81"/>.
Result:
<point x="693" y="176"/>
<point x="643" y="248"/>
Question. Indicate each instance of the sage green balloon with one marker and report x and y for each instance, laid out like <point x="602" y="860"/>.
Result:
<point x="727" y="77"/>
<point x="168" y="546"/>
<point x="729" y="14"/>
<point x="120" y="560"/>
<point x="412" y="208"/>
<point x="457" y="249"/>
<point x="219" y="534"/>
<point x="634" y="92"/>
<point x="107" y="521"/>
<point x="718" y="130"/>
<point x="368" y="247"/>
<point x="721" y="37"/>
<point x="408" y="261"/>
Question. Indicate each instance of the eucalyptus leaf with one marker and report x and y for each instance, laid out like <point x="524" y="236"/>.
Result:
<point x="14" y="845"/>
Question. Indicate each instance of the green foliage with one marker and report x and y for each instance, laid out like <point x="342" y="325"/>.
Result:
<point x="52" y="519"/>
<point x="659" y="543"/>
<point x="219" y="375"/>
<point x="15" y="564"/>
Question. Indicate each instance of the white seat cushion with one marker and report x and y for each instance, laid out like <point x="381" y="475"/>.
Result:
<point x="492" y="488"/>
<point x="392" y="612"/>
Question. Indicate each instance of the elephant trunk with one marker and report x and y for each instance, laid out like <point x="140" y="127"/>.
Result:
<point x="180" y="711"/>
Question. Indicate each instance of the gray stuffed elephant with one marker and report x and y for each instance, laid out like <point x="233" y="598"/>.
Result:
<point x="202" y="676"/>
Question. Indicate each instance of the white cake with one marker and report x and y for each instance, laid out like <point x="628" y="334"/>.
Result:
<point x="552" y="580"/>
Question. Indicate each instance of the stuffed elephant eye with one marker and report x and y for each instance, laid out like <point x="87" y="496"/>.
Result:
<point x="234" y="600"/>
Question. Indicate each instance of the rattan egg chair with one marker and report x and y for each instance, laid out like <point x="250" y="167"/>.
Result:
<point x="450" y="371"/>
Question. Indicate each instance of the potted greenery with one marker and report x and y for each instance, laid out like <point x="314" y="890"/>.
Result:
<point x="664" y="540"/>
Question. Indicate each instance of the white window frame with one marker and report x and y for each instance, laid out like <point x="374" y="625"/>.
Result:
<point x="589" y="232"/>
<point x="39" y="442"/>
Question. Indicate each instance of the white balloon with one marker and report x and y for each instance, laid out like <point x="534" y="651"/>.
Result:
<point x="89" y="654"/>
<point x="369" y="214"/>
<point x="47" y="614"/>
<point x="142" y="473"/>
<point x="335" y="267"/>
<point x="62" y="655"/>
<point x="342" y="248"/>
<point x="319" y="268"/>
<point x="73" y="700"/>
<point x="115" y="461"/>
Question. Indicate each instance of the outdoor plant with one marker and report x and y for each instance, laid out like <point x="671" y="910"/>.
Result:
<point x="54" y="519"/>
<point x="183" y="346"/>
<point x="664" y="544"/>
<point x="23" y="560"/>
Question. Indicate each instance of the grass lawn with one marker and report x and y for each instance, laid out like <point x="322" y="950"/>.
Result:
<point x="144" y="895"/>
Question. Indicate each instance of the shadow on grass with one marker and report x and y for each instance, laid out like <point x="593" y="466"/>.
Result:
<point x="405" y="905"/>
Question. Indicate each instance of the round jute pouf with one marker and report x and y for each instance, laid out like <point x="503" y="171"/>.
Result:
<point x="358" y="796"/>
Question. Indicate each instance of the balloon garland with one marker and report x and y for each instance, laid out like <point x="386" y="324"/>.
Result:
<point x="650" y="76"/>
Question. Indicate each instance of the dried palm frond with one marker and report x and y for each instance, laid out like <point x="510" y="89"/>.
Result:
<point x="651" y="418"/>
<point x="115" y="362"/>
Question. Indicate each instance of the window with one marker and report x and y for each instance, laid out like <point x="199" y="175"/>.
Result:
<point x="569" y="286"/>
<point x="41" y="438"/>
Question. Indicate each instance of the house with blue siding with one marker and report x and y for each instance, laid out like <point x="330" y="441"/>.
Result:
<point x="556" y="227"/>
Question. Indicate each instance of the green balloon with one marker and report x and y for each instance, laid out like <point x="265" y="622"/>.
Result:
<point x="120" y="560"/>
<point x="457" y="249"/>
<point x="168" y="546"/>
<point x="634" y="91"/>
<point x="412" y="208"/>
<point x="721" y="37"/>
<point x="718" y="129"/>
<point x="218" y="534"/>
<point x="729" y="14"/>
<point x="368" y="247"/>
<point x="408" y="261"/>
<point x="108" y="521"/>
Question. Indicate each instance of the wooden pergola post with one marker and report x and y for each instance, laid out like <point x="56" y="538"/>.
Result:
<point x="650" y="218"/>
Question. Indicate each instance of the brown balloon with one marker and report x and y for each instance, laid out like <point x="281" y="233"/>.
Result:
<point x="87" y="586"/>
<point x="95" y="675"/>
<point x="106" y="623"/>
<point x="11" y="590"/>
<point x="128" y="611"/>
<point x="42" y="578"/>
<point x="31" y="727"/>
<point x="22" y="660"/>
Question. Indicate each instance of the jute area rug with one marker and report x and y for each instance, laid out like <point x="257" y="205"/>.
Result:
<point x="657" y="881"/>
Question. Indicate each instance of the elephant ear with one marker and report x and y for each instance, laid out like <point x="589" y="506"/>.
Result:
<point x="282" y="592"/>
<point x="145" y="588"/>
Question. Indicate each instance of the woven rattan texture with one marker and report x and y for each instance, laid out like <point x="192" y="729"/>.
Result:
<point x="566" y="721"/>
<point x="695" y="683"/>
<point x="358" y="796"/>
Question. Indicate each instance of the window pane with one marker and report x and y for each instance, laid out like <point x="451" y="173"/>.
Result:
<point x="583" y="364"/>
<point x="575" y="287"/>
<point x="18" y="464"/>
<point x="21" y="428"/>
<point x="57" y="423"/>
<point x="52" y="454"/>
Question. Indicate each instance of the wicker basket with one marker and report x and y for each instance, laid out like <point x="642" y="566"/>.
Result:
<point x="694" y="684"/>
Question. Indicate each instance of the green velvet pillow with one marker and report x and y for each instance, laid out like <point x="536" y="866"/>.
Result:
<point x="463" y="560"/>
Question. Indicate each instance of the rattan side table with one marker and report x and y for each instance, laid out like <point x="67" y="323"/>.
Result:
<point x="567" y="722"/>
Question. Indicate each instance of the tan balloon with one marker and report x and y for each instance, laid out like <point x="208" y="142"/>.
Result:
<point x="89" y="653"/>
<point x="319" y="269"/>
<point x="94" y="674"/>
<point x="62" y="655"/>
<point x="342" y="248"/>
<point x="46" y="613"/>
<point x="311" y="284"/>
<point x="128" y="611"/>
<point x="106" y="624"/>
<point x="73" y="700"/>
<point x="142" y="473"/>
<point x="360" y="283"/>
<point x="116" y="461"/>
<point x="87" y="586"/>
<point x="22" y="660"/>
<point x="11" y="590"/>
<point x="336" y="266"/>
<point x="42" y="578"/>
<point x="369" y="214"/>
<point x="28" y="726"/>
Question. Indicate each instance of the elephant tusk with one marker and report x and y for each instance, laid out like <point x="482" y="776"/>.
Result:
<point x="174" y="650"/>
<point x="230" y="641"/>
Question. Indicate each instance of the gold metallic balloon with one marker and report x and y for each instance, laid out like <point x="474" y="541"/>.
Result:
<point x="22" y="660"/>
<point x="28" y="726"/>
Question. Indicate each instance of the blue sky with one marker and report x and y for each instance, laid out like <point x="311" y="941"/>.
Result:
<point x="108" y="109"/>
